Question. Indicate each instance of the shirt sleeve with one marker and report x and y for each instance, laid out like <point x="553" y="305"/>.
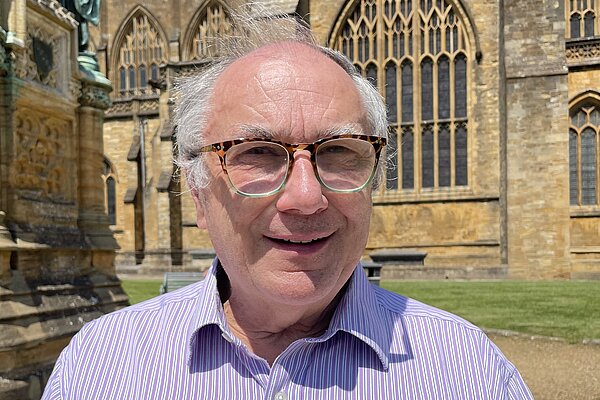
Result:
<point x="516" y="388"/>
<point x="54" y="387"/>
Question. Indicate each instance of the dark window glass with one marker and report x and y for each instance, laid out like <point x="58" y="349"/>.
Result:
<point x="427" y="157"/>
<point x="588" y="167"/>
<point x="427" y="90"/>
<point x="154" y="71"/>
<point x="372" y="74"/>
<point x="588" y="24"/>
<point x="122" y="80"/>
<point x="402" y="45"/>
<point x="132" y="85"/>
<point x="460" y="155"/>
<point x="408" y="175"/>
<point x="443" y="88"/>
<point x="575" y="21"/>
<point x="407" y="92"/>
<point x="573" y="186"/>
<point x="111" y="200"/>
<point x="390" y="92"/>
<point x="360" y="49"/>
<point x="391" y="181"/>
<point x="444" y="155"/>
<point x="143" y="77"/>
<point x="460" y="86"/>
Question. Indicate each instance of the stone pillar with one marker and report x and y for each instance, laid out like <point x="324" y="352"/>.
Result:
<point x="93" y="221"/>
<point x="536" y="159"/>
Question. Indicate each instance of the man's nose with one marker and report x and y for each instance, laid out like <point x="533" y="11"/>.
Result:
<point x="302" y="193"/>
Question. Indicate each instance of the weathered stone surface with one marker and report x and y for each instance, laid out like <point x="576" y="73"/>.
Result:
<point x="56" y="249"/>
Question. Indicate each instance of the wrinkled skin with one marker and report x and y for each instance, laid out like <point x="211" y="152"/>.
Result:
<point x="298" y="95"/>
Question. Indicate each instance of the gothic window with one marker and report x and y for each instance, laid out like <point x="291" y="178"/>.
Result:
<point x="415" y="52"/>
<point x="211" y="26"/>
<point x="110" y="192"/>
<point x="583" y="155"/>
<point x="141" y="51"/>
<point x="581" y="18"/>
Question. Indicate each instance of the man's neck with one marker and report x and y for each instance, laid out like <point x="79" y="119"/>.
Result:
<point x="268" y="329"/>
<point x="268" y="334"/>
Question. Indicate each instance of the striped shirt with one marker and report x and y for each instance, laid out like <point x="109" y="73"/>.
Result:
<point x="379" y="345"/>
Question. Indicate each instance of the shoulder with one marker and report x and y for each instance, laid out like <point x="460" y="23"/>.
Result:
<point x="163" y="311"/>
<point x="406" y="308"/>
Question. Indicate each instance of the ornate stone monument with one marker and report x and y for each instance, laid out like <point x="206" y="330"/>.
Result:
<point x="56" y="248"/>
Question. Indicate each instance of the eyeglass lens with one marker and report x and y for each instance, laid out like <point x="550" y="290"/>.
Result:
<point x="256" y="168"/>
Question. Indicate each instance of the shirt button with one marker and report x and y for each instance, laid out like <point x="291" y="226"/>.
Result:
<point x="280" y="396"/>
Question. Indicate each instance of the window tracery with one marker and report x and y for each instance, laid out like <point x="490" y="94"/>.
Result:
<point x="140" y="55"/>
<point x="110" y="191"/>
<point x="584" y="150"/>
<point x="213" y="25"/>
<point x="582" y="18"/>
<point x="416" y="53"/>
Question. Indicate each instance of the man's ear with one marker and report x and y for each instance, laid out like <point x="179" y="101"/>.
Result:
<point x="200" y="211"/>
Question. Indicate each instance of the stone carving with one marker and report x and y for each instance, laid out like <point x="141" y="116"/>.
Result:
<point x="583" y="52"/>
<point x="61" y="13"/>
<point x="146" y="106"/>
<point x="38" y="60"/>
<point x="40" y="166"/>
<point x="149" y="105"/>
<point x="94" y="96"/>
<point x="4" y="61"/>
<point x="120" y="108"/>
<point x="75" y="89"/>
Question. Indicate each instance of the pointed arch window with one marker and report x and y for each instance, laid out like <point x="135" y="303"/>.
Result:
<point x="110" y="192"/>
<point x="212" y="25"/>
<point x="582" y="18"/>
<point x="140" y="53"/>
<point x="584" y="152"/>
<point x="416" y="52"/>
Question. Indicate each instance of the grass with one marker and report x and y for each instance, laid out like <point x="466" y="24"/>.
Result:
<point x="139" y="290"/>
<point x="566" y="309"/>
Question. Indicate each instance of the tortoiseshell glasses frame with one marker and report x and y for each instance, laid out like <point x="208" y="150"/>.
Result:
<point x="259" y="167"/>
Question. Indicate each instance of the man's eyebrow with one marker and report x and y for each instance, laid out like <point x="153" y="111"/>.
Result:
<point x="253" y="131"/>
<point x="259" y="132"/>
<point x="343" y="129"/>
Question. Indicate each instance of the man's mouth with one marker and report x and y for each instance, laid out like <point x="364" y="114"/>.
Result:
<point x="300" y="243"/>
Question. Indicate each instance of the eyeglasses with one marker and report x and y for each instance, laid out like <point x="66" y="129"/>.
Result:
<point x="258" y="167"/>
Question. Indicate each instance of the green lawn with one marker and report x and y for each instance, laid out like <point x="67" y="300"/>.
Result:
<point x="567" y="309"/>
<point x="141" y="289"/>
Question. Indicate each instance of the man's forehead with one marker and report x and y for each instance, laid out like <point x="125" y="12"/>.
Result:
<point x="290" y="91"/>
<point x="289" y="59"/>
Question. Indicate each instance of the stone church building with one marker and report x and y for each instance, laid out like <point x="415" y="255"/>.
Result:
<point x="494" y="110"/>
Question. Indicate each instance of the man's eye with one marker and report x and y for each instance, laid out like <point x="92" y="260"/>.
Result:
<point x="261" y="151"/>
<point x="337" y="149"/>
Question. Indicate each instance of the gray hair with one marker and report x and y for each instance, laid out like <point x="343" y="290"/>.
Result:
<point x="193" y="94"/>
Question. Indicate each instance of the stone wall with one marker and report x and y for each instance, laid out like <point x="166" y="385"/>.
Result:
<point x="537" y="168"/>
<point x="56" y="250"/>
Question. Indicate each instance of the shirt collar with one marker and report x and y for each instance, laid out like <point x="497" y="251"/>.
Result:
<point x="208" y="310"/>
<point x="358" y="313"/>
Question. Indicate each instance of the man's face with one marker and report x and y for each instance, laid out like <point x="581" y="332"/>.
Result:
<point x="299" y="246"/>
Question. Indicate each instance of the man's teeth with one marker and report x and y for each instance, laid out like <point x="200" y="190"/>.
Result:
<point x="301" y="241"/>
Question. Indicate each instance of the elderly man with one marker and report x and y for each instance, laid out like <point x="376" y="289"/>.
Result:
<point x="280" y="146"/>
